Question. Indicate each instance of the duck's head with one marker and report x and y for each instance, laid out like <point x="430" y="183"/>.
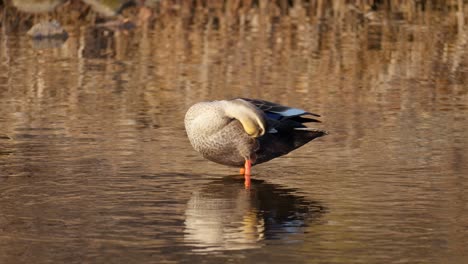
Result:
<point x="249" y="116"/>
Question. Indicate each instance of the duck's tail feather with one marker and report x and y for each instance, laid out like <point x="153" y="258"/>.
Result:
<point x="283" y="142"/>
<point x="312" y="132"/>
<point x="302" y="119"/>
<point x="310" y="129"/>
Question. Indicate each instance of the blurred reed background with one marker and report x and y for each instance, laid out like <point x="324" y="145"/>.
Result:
<point x="373" y="55"/>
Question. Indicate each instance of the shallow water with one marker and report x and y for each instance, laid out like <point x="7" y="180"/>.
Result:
<point x="95" y="166"/>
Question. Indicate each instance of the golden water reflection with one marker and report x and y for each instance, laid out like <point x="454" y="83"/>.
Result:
<point x="95" y="164"/>
<point x="223" y="215"/>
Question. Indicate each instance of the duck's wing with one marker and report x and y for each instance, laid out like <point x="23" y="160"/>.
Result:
<point x="287" y="129"/>
<point x="279" y="112"/>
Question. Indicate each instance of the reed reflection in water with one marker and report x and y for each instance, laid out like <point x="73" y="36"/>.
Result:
<point x="95" y="165"/>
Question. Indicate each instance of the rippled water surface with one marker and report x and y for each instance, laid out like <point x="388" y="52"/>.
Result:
<point x="95" y="166"/>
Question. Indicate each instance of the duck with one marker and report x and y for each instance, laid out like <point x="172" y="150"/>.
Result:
<point x="243" y="132"/>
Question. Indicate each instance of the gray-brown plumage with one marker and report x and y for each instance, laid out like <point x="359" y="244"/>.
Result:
<point x="230" y="132"/>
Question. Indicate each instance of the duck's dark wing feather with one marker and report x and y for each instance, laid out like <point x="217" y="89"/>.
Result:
<point x="289" y="136"/>
<point x="279" y="112"/>
<point x="287" y="129"/>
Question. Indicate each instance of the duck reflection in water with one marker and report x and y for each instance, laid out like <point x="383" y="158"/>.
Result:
<point x="226" y="216"/>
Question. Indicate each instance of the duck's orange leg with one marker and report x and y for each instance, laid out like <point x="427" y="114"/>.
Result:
<point x="247" y="167"/>
<point x="242" y="171"/>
